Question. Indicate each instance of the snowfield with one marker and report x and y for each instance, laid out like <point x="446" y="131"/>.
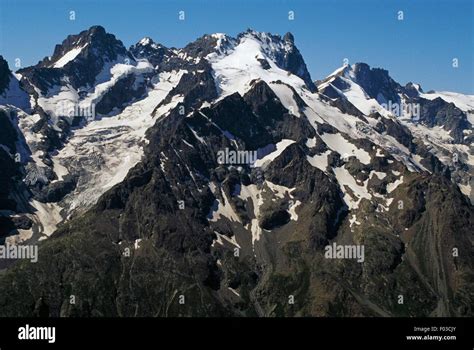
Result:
<point x="101" y="153"/>
<point x="280" y="147"/>
<point x="105" y="150"/>
<point x="68" y="57"/>
<point x="236" y="70"/>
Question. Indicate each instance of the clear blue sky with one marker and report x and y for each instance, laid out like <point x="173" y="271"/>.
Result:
<point x="420" y="48"/>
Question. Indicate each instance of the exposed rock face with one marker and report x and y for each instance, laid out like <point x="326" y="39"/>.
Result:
<point x="293" y="61"/>
<point x="439" y="122"/>
<point x="438" y="112"/>
<point x="10" y="170"/>
<point x="235" y="236"/>
<point x="376" y="81"/>
<point x="207" y="44"/>
<point x="96" y="48"/>
<point x="124" y="91"/>
<point x="286" y="56"/>
<point x="155" y="53"/>
<point x="196" y="86"/>
<point x="4" y="75"/>
<point x="281" y="50"/>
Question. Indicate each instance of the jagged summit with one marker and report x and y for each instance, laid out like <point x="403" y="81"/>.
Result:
<point x="148" y="49"/>
<point x="77" y="61"/>
<point x="376" y="83"/>
<point x="282" y="51"/>
<point x="146" y="41"/>
<point x="94" y="41"/>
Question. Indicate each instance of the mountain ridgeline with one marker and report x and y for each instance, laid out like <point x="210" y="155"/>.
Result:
<point x="219" y="179"/>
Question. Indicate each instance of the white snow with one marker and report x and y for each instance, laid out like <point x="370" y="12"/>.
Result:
<point x="59" y="169"/>
<point x="463" y="102"/>
<point x="238" y="66"/>
<point x="103" y="151"/>
<point x="466" y="189"/>
<point x="68" y="57"/>
<point x="22" y="236"/>
<point x="310" y="143"/>
<point x="188" y="144"/>
<point x="145" y="41"/>
<point x="319" y="161"/>
<point x="235" y="70"/>
<point x="199" y="138"/>
<point x="221" y="238"/>
<point x="313" y="117"/>
<point x="280" y="147"/>
<point x="252" y="193"/>
<point x="224" y="209"/>
<point x="136" y="244"/>
<point x="14" y="95"/>
<point x="285" y="95"/>
<point x="278" y="190"/>
<point x="339" y="70"/>
<point x="360" y="99"/>
<point x="353" y="220"/>
<point x="221" y="39"/>
<point x="27" y="145"/>
<point x="354" y="93"/>
<point x="319" y="111"/>
<point x="379" y="174"/>
<point x="344" y="178"/>
<point x="339" y="144"/>
<point x="292" y="210"/>
<point x="47" y="216"/>
<point x="437" y="135"/>
<point x="234" y="291"/>
<point x="59" y="98"/>
<point x="393" y="185"/>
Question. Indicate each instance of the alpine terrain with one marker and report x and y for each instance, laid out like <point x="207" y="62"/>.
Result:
<point x="220" y="179"/>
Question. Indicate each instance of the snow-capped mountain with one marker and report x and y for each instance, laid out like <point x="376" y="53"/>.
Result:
<point x="441" y="121"/>
<point x="226" y="171"/>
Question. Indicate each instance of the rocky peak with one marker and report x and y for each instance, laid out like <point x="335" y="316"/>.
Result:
<point x="5" y="74"/>
<point x="412" y="90"/>
<point x="210" y="43"/>
<point x="376" y="82"/>
<point x="288" y="37"/>
<point x="155" y="53"/>
<point x="147" y="43"/>
<point x="94" y="42"/>
<point x="283" y="51"/>
<point x="79" y="58"/>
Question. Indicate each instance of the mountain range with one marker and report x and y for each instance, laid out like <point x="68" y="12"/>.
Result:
<point x="111" y="163"/>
